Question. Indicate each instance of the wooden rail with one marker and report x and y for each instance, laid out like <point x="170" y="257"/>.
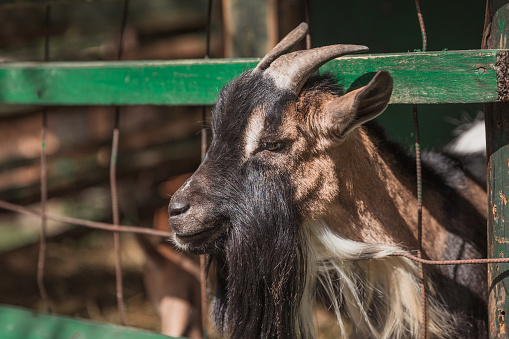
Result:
<point x="423" y="78"/>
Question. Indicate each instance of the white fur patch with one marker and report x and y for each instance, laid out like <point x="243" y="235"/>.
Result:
<point x="373" y="294"/>
<point x="253" y="131"/>
<point x="472" y="139"/>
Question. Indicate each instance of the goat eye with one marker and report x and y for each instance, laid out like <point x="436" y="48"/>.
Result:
<point x="272" y="146"/>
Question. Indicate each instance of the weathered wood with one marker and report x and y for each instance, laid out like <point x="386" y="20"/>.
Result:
<point x="433" y="77"/>
<point x="88" y="30"/>
<point x="72" y="173"/>
<point x="250" y="27"/>
<point x="497" y="138"/>
<point x="502" y="68"/>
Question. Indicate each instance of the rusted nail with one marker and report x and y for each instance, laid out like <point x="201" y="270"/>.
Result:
<point x="481" y="70"/>
<point x="501" y="321"/>
<point x="503" y="197"/>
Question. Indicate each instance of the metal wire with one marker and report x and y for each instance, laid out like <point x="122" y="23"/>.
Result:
<point x="116" y="221"/>
<point x="150" y="231"/>
<point x="421" y="25"/>
<point x="81" y="222"/>
<point x="41" y="261"/>
<point x="419" y="219"/>
<point x="308" y="34"/>
<point x="113" y="186"/>
<point x="419" y="183"/>
<point x="452" y="262"/>
<point x="203" y="133"/>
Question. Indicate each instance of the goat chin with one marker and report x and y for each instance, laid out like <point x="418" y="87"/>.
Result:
<point x="378" y="294"/>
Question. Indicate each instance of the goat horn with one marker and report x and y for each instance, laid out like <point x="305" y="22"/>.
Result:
<point x="291" y="71"/>
<point x="285" y="45"/>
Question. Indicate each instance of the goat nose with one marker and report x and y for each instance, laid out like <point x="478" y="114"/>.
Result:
<point x="177" y="208"/>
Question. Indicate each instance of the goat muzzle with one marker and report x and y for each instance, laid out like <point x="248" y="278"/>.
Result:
<point x="195" y="226"/>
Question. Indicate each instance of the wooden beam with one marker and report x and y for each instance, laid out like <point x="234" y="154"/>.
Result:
<point x="497" y="147"/>
<point x="250" y="27"/>
<point x="423" y="78"/>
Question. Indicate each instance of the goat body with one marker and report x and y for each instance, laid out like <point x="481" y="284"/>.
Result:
<point x="300" y="198"/>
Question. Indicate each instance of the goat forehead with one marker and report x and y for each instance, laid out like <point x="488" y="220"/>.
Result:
<point x="246" y="107"/>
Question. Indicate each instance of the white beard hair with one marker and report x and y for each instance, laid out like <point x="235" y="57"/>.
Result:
<point x="373" y="294"/>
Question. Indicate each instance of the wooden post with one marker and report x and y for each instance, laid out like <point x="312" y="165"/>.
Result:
<point x="496" y="35"/>
<point x="250" y="27"/>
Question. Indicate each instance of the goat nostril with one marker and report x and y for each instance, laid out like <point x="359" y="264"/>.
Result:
<point x="176" y="209"/>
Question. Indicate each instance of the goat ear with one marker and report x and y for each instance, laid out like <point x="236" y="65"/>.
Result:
<point x="355" y="108"/>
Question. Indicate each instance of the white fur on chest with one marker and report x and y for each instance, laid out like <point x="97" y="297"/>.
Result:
<point x="379" y="294"/>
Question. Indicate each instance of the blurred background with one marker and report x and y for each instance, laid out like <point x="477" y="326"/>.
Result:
<point x="159" y="146"/>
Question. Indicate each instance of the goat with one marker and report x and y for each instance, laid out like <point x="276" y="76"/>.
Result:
<point x="301" y="199"/>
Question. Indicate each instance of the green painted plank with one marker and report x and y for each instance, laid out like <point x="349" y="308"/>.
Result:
<point x="19" y="323"/>
<point x="433" y="77"/>
<point x="184" y="82"/>
<point x="427" y="78"/>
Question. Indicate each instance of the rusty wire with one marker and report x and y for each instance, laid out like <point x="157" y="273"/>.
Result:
<point x="452" y="262"/>
<point x="82" y="222"/>
<point x="113" y="185"/>
<point x="150" y="231"/>
<point x="421" y="26"/>
<point x="419" y="183"/>
<point x="419" y="218"/>
<point x="306" y="15"/>
<point x="203" y="133"/>
<point x="41" y="260"/>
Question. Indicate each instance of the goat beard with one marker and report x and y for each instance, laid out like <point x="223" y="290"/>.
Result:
<point x="260" y="274"/>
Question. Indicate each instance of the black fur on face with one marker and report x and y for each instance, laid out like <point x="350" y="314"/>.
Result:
<point x="261" y="270"/>
<point x="247" y="219"/>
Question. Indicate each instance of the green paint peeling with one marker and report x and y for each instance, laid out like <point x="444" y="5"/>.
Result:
<point x="424" y="77"/>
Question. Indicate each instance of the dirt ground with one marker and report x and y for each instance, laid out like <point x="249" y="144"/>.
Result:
<point x="80" y="280"/>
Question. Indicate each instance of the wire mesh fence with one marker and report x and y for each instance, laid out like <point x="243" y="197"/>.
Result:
<point x="115" y="226"/>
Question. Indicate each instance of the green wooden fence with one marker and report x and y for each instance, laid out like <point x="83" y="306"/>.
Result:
<point x="423" y="78"/>
<point x="18" y="323"/>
